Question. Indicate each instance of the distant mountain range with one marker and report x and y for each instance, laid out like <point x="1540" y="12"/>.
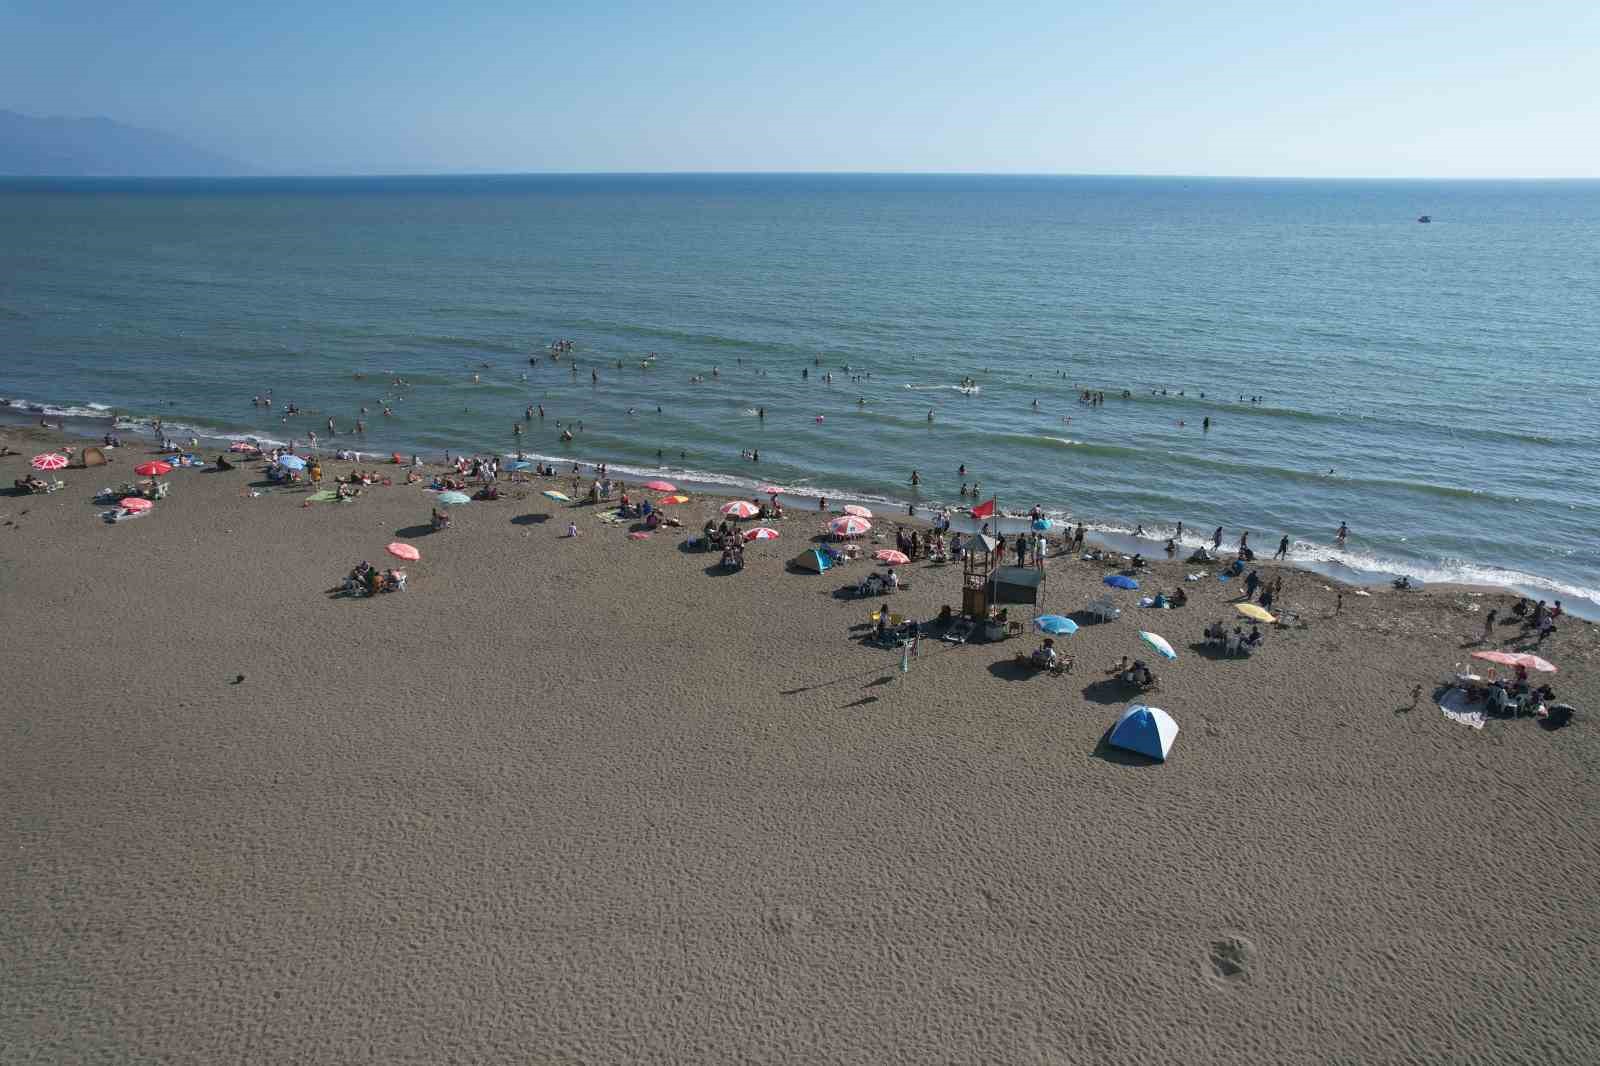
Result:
<point x="99" y="147"/>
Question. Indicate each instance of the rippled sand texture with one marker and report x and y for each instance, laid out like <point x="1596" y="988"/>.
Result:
<point x="580" y="801"/>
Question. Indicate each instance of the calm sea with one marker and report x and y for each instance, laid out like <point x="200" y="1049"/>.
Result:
<point x="1433" y="385"/>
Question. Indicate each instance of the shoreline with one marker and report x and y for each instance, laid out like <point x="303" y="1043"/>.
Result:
<point x="91" y="425"/>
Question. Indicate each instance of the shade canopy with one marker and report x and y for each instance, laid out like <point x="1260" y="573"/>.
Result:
<point x="761" y="533"/>
<point x="155" y="468"/>
<point x="291" y="462"/>
<point x="1146" y="730"/>
<point x="850" y="526"/>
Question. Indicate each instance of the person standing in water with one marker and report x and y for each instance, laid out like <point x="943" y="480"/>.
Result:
<point x="1283" y="548"/>
<point x="1339" y="537"/>
<point x="1216" y="540"/>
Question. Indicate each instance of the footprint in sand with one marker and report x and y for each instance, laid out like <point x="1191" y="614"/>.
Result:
<point x="1231" y="959"/>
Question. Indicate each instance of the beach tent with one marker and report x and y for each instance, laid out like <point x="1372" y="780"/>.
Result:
<point x="813" y="561"/>
<point x="93" y="457"/>
<point x="1015" y="584"/>
<point x="1146" y="730"/>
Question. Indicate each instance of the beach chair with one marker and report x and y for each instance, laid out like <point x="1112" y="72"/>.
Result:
<point x="1103" y="609"/>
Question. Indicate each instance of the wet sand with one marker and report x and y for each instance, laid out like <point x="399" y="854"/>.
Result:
<point x="591" y="800"/>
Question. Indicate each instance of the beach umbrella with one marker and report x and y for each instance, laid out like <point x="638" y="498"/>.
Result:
<point x="892" y="557"/>
<point x="153" y="469"/>
<point x="740" y="509"/>
<point x="454" y="499"/>
<point x="672" y="501"/>
<point x="1158" y="644"/>
<point x="242" y="446"/>
<point x="640" y="535"/>
<point x="761" y="533"/>
<point x="660" y="486"/>
<point x="1254" y="611"/>
<point x="1146" y="730"/>
<point x="1043" y="525"/>
<point x="1118" y="581"/>
<point x="48" y="461"/>
<point x="850" y="526"/>
<point x="771" y="490"/>
<point x="135" y="503"/>
<point x="1056" y="625"/>
<point x="1526" y="660"/>
<point x="857" y="510"/>
<point x="291" y="462"/>
<point x="559" y="497"/>
<point x="401" y="550"/>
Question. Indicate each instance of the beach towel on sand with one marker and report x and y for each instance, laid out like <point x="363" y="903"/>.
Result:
<point x="1457" y="708"/>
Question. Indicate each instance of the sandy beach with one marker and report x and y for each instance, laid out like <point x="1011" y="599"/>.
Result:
<point x="592" y="800"/>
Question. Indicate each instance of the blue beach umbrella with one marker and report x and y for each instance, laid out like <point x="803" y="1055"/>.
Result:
<point x="1055" y="624"/>
<point x="1043" y="525"/>
<point x="454" y="499"/>
<point x="1117" y="581"/>
<point x="1158" y="644"/>
<point x="291" y="462"/>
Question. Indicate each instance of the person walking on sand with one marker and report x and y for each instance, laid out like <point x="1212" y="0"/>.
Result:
<point x="1283" y="548"/>
<point x="1488" y="625"/>
<point x="1251" y="583"/>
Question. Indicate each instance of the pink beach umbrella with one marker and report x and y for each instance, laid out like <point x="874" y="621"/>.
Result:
<point x="640" y="535"/>
<point x="857" y="510"/>
<point x="892" y="557"/>
<point x="1517" y="658"/>
<point x="49" y="461"/>
<point x="740" y="509"/>
<point x="660" y="486"/>
<point x="771" y="490"/>
<point x="761" y="533"/>
<point x="401" y="550"/>
<point x="242" y="446"/>
<point x="850" y="526"/>
<point x="134" y="503"/>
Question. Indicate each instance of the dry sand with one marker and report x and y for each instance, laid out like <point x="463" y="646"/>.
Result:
<point x="579" y="801"/>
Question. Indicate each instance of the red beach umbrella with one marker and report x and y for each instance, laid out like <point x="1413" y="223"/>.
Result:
<point x="135" y="503"/>
<point x="155" y="468"/>
<point x="857" y="510"/>
<point x="49" y="461"/>
<point x="401" y="550"/>
<point x="761" y="533"/>
<point x="740" y="509"/>
<point x="892" y="557"/>
<point x="1517" y="658"/>
<point x="660" y="486"/>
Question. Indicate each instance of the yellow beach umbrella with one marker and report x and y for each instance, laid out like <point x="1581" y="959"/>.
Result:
<point x="1251" y="610"/>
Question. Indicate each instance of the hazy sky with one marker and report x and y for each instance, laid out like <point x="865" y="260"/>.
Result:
<point x="1342" y="87"/>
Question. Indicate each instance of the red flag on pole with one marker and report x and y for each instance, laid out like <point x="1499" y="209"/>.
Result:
<point x="984" y="510"/>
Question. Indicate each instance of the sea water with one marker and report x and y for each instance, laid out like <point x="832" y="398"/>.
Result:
<point x="1432" y="384"/>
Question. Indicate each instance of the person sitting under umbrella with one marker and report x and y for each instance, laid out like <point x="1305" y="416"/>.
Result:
<point x="441" y="519"/>
<point x="1139" y="674"/>
<point x="1044" y="656"/>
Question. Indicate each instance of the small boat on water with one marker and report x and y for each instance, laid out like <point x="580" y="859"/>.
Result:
<point x="1424" y="218"/>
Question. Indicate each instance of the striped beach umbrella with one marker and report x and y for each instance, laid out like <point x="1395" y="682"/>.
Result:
<point x="134" y="503"/>
<point x="849" y="526"/>
<point x="761" y="533"/>
<point x="1158" y="644"/>
<point x="740" y="509"/>
<point x="892" y="557"/>
<point x="857" y="510"/>
<point x="48" y="461"/>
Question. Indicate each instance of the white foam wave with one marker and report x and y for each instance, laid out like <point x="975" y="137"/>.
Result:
<point x="50" y="410"/>
<point x="968" y="390"/>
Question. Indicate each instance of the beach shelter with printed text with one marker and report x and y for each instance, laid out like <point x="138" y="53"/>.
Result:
<point x="813" y="561"/>
<point x="1146" y="730"/>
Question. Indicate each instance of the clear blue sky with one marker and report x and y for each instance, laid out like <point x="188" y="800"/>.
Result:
<point x="1337" y="88"/>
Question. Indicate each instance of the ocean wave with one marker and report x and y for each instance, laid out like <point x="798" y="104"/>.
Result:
<point x="968" y="390"/>
<point x="86" y="410"/>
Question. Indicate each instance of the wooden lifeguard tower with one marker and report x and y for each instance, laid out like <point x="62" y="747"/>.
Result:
<point x="977" y="570"/>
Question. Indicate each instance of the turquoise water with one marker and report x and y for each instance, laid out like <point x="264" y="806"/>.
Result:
<point x="1446" y="374"/>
